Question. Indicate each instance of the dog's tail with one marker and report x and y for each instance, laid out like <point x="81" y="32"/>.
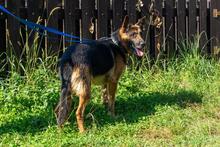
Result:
<point x="64" y="106"/>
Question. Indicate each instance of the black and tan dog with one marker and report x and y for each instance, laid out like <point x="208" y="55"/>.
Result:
<point x="100" y="62"/>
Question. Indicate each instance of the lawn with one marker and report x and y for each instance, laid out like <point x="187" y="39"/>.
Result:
<point x="173" y="105"/>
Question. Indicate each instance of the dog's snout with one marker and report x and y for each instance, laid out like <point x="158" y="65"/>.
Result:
<point x="142" y="44"/>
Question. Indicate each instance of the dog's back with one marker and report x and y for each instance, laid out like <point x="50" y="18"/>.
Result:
<point x="98" y="56"/>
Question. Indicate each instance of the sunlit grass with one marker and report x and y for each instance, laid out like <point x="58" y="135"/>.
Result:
<point x="170" y="104"/>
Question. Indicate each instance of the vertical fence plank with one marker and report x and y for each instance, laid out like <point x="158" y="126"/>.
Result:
<point x="36" y="12"/>
<point x="146" y="6"/>
<point x="170" y="28"/>
<point x="192" y="19"/>
<point x="2" y="39"/>
<point x="146" y="28"/>
<point x="2" y="31"/>
<point x="71" y="8"/>
<point x="144" y="12"/>
<point x="14" y="37"/>
<point x="152" y="42"/>
<point x="88" y="15"/>
<point x="131" y="9"/>
<point x="181" y="20"/>
<point x="103" y="19"/>
<point x="203" y="26"/>
<point x="153" y="52"/>
<point x="159" y="31"/>
<point x="215" y="29"/>
<point x="118" y="10"/>
<point x="54" y="42"/>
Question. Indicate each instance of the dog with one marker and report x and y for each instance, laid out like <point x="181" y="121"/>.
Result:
<point x="99" y="62"/>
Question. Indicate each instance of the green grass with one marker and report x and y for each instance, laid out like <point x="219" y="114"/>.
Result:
<point x="177" y="105"/>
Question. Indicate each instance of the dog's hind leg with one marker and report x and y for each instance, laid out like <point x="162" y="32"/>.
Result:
<point x="81" y="85"/>
<point x="83" y="100"/>
<point x="84" y="97"/>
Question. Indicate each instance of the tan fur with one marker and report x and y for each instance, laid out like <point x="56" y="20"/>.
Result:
<point x="136" y="29"/>
<point x="110" y="86"/>
<point x="122" y="35"/>
<point x="81" y="87"/>
<point x="100" y="80"/>
<point x="113" y="75"/>
<point x="83" y="101"/>
<point x="124" y="38"/>
<point x="81" y="80"/>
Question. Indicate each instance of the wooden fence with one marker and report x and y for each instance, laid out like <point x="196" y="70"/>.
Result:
<point x="92" y="19"/>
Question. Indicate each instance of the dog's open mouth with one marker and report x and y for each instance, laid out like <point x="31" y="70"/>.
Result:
<point x="139" y="52"/>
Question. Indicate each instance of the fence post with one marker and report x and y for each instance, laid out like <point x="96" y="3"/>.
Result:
<point x="146" y="27"/>
<point x="103" y="18"/>
<point x="54" y="42"/>
<point x="14" y="27"/>
<point x="72" y="17"/>
<point x="192" y="19"/>
<point x="170" y="28"/>
<point x="88" y="17"/>
<point x="181" y="20"/>
<point x="36" y="12"/>
<point x="131" y="10"/>
<point x="2" y="41"/>
<point x="118" y="13"/>
<point x="203" y="26"/>
<point x="159" y="31"/>
<point x="215" y="29"/>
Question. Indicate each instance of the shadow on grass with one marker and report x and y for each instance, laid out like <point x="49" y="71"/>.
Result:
<point x="31" y="123"/>
<point x="129" y="110"/>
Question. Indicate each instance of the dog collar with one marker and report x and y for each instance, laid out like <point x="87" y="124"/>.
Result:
<point x="122" y="50"/>
<point x="116" y="41"/>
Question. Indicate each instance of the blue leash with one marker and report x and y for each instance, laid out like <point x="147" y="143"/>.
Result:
<point x="36" y="27"/>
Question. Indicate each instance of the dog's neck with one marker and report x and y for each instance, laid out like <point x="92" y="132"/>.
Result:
<point x="116" y="40"/>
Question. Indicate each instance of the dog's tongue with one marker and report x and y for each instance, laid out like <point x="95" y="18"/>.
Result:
<point x="139" y="52"/>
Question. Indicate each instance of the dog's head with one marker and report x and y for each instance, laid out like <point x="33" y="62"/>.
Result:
<point x="130" y="37"/>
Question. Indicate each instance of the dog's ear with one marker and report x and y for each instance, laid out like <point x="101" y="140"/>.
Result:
<point x="125" y="23"/>
<point x="141" y="21"/>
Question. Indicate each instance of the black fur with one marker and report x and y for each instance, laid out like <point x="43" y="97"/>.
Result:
<point x="98" y="55"/>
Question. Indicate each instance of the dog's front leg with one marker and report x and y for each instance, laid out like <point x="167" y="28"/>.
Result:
<point x="112" y="87"/>
<point x="105" y="95"/>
